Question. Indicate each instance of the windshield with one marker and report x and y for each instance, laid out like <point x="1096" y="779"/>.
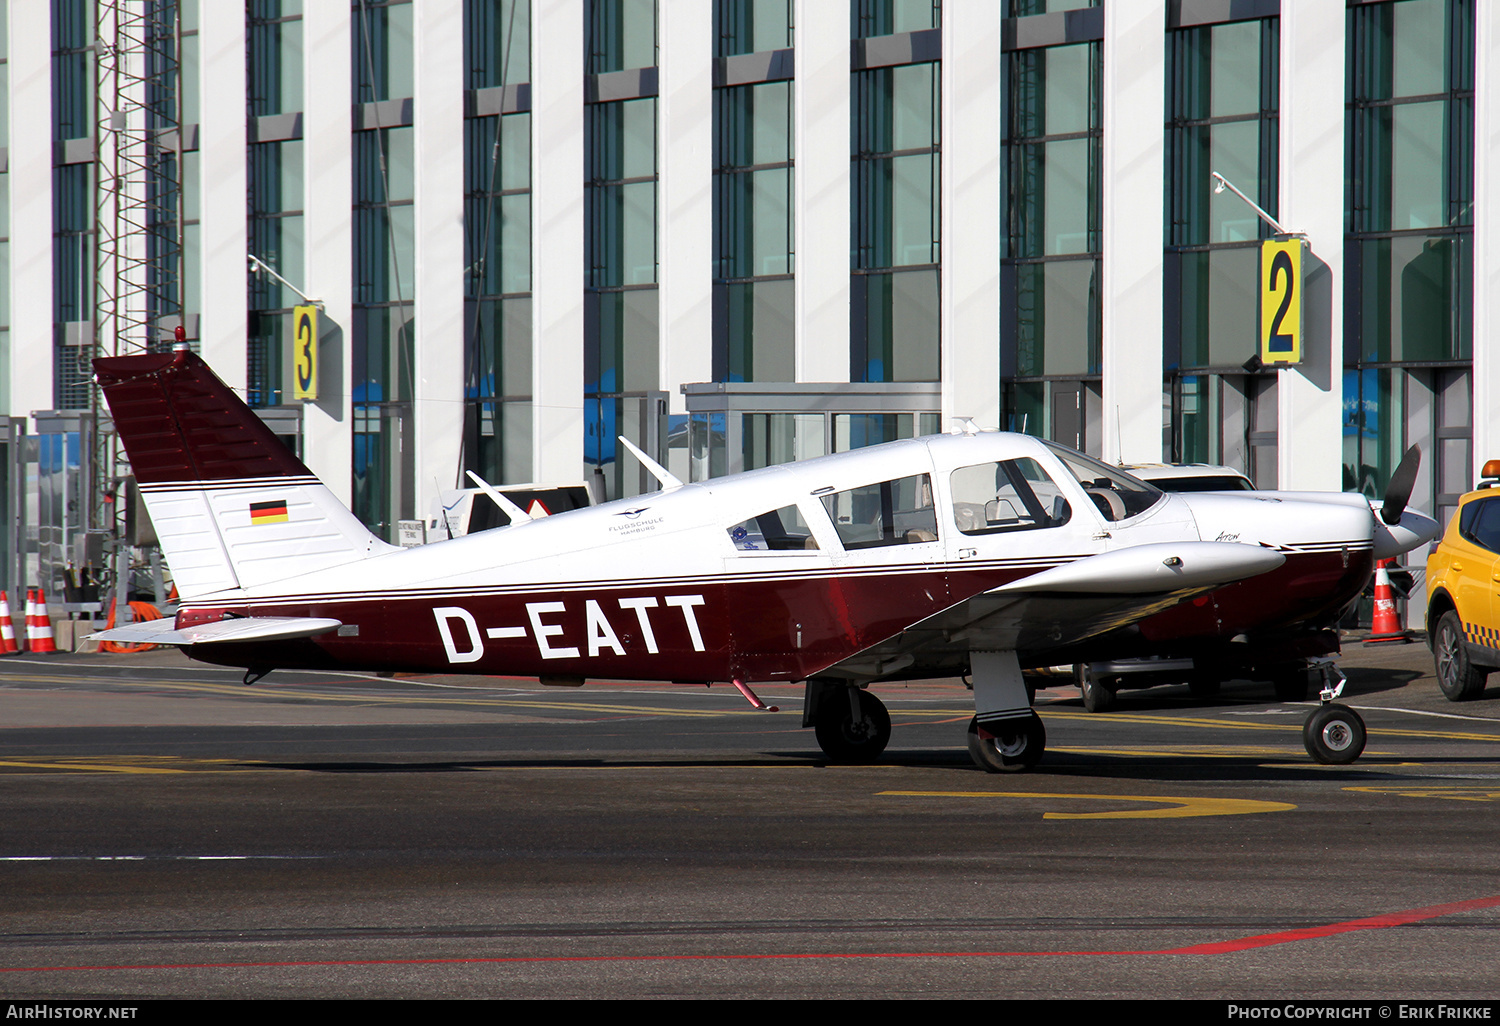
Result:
<point x="1117" y="495"/>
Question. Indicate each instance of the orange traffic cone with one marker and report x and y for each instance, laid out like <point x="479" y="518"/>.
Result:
<point x="7" y="628"/>
<point x="1385" y="626"/>
<point x="39" y="624"/>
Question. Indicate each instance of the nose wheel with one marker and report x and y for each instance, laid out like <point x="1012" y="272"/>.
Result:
<point x="1334" y="734"/>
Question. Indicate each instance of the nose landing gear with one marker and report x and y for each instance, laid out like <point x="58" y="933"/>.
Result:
<point x="1334" y="734"/>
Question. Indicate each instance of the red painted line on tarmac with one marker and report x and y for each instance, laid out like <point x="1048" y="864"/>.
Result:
<point x="1267" y="940"/>
<point x="1264" y="940"/>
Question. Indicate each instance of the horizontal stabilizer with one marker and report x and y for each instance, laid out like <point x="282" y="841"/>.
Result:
<point x="1153" y="569"/>
<point x="245" y="628"/>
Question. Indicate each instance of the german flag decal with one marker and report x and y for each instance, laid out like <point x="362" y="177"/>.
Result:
<point x="268" y="512"/>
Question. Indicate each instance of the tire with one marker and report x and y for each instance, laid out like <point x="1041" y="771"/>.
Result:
<point x="1293" y="685"/>
<point x="1018" y="746"/>
<point x="1459" y="679"/>
<point x="841" y="739"/>
<point x="1096" y="697"/>
<point x="1334" y="735"/>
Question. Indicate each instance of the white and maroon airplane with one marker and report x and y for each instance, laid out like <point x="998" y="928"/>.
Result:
<point x="974" y="553"/>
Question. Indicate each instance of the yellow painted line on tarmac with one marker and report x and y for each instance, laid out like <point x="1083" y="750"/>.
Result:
<point x="117" y="764"/>
<point x="367" y="698"/>
<point x="1177" y="807"/>
<point x="1452" y="792"/>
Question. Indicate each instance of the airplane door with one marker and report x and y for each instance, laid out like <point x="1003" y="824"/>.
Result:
<point x="1012" y="510"/>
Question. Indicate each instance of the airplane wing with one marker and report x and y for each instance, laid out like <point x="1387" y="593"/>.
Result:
<point x="1063" y="606"/>
<point x="246" y="628"/>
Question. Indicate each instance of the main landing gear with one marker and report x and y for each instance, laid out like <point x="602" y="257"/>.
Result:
<point x="852" y="725"/>
<point x="1009" y="746"/>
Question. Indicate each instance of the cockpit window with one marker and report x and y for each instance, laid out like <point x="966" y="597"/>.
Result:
<point x="898" y="512"/>
<point x="1117" y="495"/>
<point x="1010" y="495"/>
<point x="780" y="530"/>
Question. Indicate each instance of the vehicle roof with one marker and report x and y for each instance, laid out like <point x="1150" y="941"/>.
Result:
<point x="1167" y="471"/>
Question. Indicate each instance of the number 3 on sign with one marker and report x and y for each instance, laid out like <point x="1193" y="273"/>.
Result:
<point x="305" y="352"/>
<point x="1281" y="301"/>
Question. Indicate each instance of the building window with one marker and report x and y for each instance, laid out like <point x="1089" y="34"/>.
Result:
<point x="621" y="330"/>
<point x="497" y="279"/>
<point x="1222" y="115"/>
<point x="621" y="35"/>
<point x="497" y="43"/>
<point x="1050" y="257"/>
<point x="275" y="180"/>
<point x="275" y="67"/>
<point x="382" y="329"/>
<point x="896" y="134"/>
<point x="276" y="236"/>
<point x="382" y="43"/>
<point x="753" y="239"/>
<point x="888" y="17"/>
<point x="1408" y="271"/>
<point x="751" y="26"/>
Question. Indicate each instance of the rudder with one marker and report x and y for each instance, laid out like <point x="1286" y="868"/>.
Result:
<point x="232" y="505"/>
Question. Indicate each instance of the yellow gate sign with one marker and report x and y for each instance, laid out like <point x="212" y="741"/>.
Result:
<point x="1281" y="300"/>
<point x="305" y="352"/>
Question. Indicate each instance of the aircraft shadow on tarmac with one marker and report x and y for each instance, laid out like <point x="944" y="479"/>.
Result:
<point x="1291" y="766"/>
<point x="1361" y="681"/>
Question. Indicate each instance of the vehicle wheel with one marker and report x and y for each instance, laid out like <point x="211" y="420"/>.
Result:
<point x="1459" y="678"/>
<point x="1017" y="746"/>
<point x="846" y="741"/>
<point x="1334" y="735"/>
<point x="1293" y="685"/>
<point x="1096" y="697"/>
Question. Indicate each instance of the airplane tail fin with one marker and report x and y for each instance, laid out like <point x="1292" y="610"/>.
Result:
<point x="232" y="505"/>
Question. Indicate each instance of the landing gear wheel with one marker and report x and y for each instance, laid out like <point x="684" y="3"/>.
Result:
<point x="1460" y="679"/>
<point x="1334" y="735"/>
<point x="1017" y="745"/>
<point x="1096" y="697"/>
<point x="1292" y="685"/>
<point x="842" y="739"/>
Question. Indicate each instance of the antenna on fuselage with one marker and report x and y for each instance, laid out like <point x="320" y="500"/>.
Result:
<point x="516" y="513"/>
<point x="663" y="476"/>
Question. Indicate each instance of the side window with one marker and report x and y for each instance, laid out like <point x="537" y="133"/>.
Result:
<point x="1011" y="495"/>
<point x="1480" y="523"/>
<point x="898" y="512"/>
<point x="779" y="530"/>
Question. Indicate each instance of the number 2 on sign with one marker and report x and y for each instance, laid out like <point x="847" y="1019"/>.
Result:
<point x="1281" y="301"/>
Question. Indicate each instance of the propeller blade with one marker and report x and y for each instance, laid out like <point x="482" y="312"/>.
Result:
<point x="1398" y="492"/>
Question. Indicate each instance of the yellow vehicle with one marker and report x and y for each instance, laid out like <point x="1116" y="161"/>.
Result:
<point x="1463" y="592"/>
